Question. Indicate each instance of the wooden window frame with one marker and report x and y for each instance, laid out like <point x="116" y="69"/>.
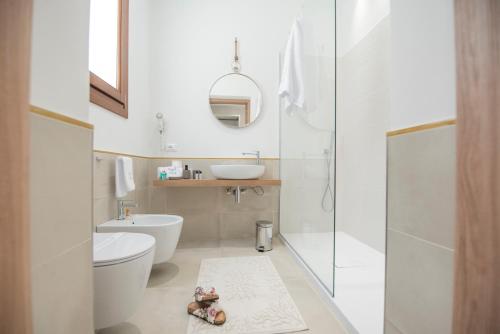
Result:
<point x="102" y="93"/>
<point x="236" y="101"/>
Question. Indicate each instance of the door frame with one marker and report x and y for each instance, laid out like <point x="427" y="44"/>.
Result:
<point x="477" y="249"/>
<point x="15" y="266"/>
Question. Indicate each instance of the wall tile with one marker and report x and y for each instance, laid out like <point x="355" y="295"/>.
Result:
<point x="198" y="225"/>
<point x="61" y="227"/>
<point x="202" y="208"/>
<point x="390" y="328"/>
<point x="191" y="198"/>
<point x="105" y="201"/>
<point x="63" y="293"/>
<point x="158" y="200"/>
<point x="421" y="187"/>
<point x="141" y="173"/>
<point x="240" y="225"/>
<point x="104" y="209"/>
<point x="141" y="198"/>
<point x="61" y="187"/>
<point x="363" y="91"/>
<point x="104" y="175"/>
<point x="419" y="292"/>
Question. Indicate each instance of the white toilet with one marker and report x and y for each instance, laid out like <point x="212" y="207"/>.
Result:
<point x="122" y="264"/>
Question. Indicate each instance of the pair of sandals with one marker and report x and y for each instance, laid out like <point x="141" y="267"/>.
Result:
<point x="205" y="306"/>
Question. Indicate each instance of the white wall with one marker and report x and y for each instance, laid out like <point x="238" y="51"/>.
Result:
<point x="192" y="45"/>
<point x="59" y="65"/>
<point x="133" y="135"/>
<point x="356" y="19"/>
<point x="423" y="62"/>
<point x="177" y="49"/>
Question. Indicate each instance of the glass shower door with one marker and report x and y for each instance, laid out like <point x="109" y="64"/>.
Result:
<point x="307" y="149"/>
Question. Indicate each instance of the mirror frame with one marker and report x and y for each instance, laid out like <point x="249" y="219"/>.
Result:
<point x="237" y="101"/>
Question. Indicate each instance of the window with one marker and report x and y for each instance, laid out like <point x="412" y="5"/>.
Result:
<point x="108" y="55"/>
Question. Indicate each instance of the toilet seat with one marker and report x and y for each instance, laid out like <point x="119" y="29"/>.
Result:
<point x="114" y="248"/>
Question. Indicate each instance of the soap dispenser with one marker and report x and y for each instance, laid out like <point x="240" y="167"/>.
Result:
<point x="186" y="174"/>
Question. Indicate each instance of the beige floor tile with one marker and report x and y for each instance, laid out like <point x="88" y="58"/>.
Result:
<point x="316" y="314"/>
<point x="281" y="257"/>
<point x="170" y="289"/>
<point x="198" y="244"/>
<point x="182" y="269"/>
<point x="163" y="311"/>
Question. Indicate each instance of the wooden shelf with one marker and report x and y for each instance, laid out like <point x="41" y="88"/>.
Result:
<point x="216" y="183"/>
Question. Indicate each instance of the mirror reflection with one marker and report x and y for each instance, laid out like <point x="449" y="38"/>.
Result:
<point x="235" y="100"/>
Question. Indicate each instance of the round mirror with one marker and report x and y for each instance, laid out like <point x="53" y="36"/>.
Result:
<point x="235" y="100"/>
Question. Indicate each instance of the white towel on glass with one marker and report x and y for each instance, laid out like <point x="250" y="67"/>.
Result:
<point x="292" y="79"/>
<point x="124" y="176"/>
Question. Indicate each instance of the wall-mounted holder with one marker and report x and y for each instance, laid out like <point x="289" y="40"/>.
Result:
<point x="161" y="128"/>
<point x="239" y="190"/>
<point x="161" y="123"/>
<point x="236" y="65"/>
<point x="236" y="192"/>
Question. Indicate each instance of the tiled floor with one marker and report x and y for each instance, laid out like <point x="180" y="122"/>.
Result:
<point x="170" y="289"/>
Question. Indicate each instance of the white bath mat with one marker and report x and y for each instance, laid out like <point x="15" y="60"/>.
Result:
<point x="252" y="295"/>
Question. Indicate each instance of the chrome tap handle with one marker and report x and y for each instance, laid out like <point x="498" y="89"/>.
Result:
<point x="122" y="204"/>
<point x="255" y="153"/>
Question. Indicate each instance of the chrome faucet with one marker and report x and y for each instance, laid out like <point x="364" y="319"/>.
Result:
<point x="122" y="204"/>
<point x="256" y="153"/>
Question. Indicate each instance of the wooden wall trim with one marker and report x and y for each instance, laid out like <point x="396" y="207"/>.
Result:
<point x="60" y="117"/>
<point x="477" y="256"/>
<point x="180" y="158"/>
<point x="421" y="127"/>
<point x="15" y="266"/>
<point x="215" y="183"/>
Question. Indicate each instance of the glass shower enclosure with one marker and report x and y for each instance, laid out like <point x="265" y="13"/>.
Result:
<point x="332" y="158"/>
<point x="307" y="149"/>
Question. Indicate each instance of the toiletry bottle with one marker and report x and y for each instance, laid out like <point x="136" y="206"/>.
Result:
<point x="186" y="174"/>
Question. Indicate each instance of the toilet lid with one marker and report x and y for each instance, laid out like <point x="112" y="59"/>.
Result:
<point x="112" y="248"/>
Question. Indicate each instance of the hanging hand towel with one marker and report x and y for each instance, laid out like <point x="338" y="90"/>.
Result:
<point x="124" y="176"/>
<point x="292" y="80"/>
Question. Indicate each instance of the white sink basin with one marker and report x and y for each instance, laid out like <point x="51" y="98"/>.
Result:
<point x="238" y="172"/>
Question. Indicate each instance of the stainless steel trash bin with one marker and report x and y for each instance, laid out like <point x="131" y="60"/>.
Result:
<point x="264" y="238"/>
